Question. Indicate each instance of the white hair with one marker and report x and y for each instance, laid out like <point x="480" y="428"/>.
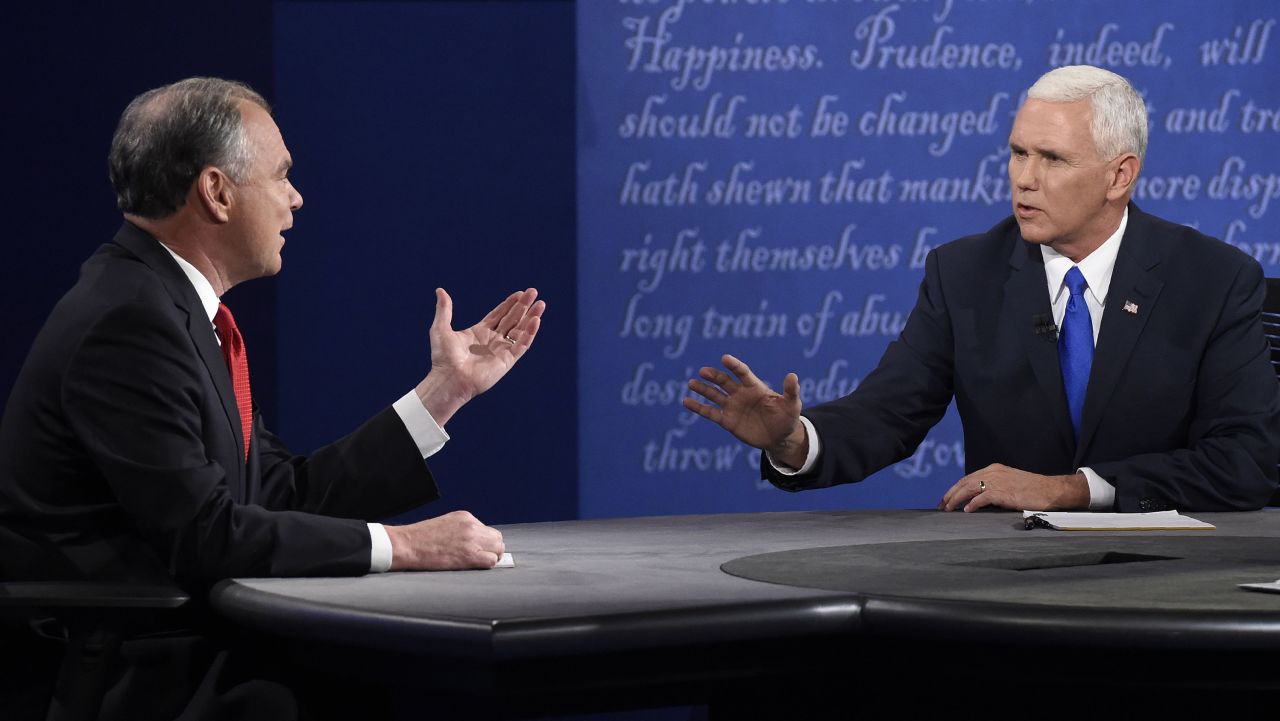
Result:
<point x="1119" y="122"/>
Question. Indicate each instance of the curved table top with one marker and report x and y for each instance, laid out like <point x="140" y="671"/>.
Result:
<point x="643" y="583"/>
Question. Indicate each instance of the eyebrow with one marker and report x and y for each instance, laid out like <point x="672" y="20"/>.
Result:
<point x="285" y="166"/>
<point x="1049" y="153"/>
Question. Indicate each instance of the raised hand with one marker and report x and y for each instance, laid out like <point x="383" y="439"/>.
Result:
<point x="745" y="406"/>
<point x="466" y="363"/>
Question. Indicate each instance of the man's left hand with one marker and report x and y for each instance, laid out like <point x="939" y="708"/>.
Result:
<point x="466" y="363"/>
<point x="1004" y="487"/>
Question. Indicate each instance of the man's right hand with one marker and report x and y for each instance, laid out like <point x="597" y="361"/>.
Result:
<point x="745" y="406"/>
<point x="452" y="542"/>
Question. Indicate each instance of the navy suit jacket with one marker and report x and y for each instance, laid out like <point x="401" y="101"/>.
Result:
<point x="1182" y="409"/>
<point x="122" y="457"/>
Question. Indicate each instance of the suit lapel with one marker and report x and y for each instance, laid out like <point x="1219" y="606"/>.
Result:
<point x="150" y="252"/>
<point x="1025" y="297"/>
<point x="1133" y="284"/>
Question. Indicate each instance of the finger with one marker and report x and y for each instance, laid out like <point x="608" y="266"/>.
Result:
<point x="711" y="393"/>
<point x="958" y="501"/>
<point x="975" y="486"/>
<point x="982" y="500"/>
<point x="528" y="327"/>
<point x="741" y="370"/>
<point x="711" y="413"/>
<point x="959" y="494"/>
<point x="720" y="378"/>
<point x="490" y="320"/>
<point x="946" y="497"/>
<point x="976" y="492"/>
<point x="945" y="503"/>
<point x="516" y="312"/>
<point x="444" y="310"/>
<point x="523" y="336"/>
<point x="489" y="543"/>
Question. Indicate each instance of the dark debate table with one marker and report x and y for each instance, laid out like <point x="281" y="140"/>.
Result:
<point x="830" y="609"/>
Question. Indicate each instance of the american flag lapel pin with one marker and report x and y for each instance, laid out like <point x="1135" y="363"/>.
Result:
<point x="1130" y="307"/>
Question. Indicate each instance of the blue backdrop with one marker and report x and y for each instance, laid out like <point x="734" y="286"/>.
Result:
<point x="431" y="151"/>
<point x="764" y="179"/>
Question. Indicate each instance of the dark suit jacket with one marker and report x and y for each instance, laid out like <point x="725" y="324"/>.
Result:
<point x="1182" y="409"/>
<point x="121" y="455"/>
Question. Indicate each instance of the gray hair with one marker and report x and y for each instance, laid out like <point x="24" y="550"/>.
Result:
<point x="1119" y="122"/>
<point x="166" y="136"/>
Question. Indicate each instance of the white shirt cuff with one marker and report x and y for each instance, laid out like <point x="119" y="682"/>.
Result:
<point x="430" y="438"/>
<point x="379" y="549"/>
<point x="809" y="460"/>
<point x="1102" y="495"/>
<point x="428" y="434"/>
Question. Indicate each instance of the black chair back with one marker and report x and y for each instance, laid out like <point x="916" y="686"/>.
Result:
<point x="1271" y="326"/>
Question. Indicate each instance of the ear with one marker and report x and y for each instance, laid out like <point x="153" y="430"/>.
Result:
<point x="215" y="194"/>
<point x="1124" y="175"/>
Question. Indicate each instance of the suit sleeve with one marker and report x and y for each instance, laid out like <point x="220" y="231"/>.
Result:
<point x="1233" y="438"/>
<point x="889" y="414"/>
<point x="373" y="472"/>
<point x="135" y="393"/>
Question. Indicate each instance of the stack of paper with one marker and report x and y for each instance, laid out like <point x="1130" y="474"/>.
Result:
<point x="1155" y="521"/>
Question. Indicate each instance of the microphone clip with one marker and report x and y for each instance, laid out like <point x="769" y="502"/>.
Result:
<point x="1044" y="327"/>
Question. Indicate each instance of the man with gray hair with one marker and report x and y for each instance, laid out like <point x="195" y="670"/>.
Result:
<point x="130" y="448"/>
<point x="1171" y="403"/>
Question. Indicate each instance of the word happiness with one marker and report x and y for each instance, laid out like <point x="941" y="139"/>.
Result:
<point x="652" y="50"/>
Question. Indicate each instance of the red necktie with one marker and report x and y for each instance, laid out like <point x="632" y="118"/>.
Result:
<point x="238" y="365"/>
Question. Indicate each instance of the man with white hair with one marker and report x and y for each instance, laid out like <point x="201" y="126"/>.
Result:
<point x="1101" y="358"/>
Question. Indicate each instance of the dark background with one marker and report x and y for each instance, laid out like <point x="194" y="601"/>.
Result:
<point x="319" y="363"/>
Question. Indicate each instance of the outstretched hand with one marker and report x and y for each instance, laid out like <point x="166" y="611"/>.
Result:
<point x="468" y="362"/>
<point x="745" y="406"/>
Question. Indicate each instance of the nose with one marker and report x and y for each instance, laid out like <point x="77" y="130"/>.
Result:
<point x="295" y="198"/>
<point x="1026" y="175"/>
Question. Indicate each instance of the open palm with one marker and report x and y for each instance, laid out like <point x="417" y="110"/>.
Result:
<point x="476" y="358"/>
<point x="745" y="406"/>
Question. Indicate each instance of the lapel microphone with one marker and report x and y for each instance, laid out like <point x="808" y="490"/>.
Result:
<point x="1044" y="327"/>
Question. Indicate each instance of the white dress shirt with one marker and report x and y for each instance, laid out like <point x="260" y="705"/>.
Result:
<point x="426" y="433"/>
<point x="1096" y="268"/>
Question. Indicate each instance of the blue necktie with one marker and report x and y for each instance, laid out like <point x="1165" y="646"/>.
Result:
<point x="1075" y="346"/>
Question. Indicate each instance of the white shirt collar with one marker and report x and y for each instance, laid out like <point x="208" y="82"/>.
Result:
<point x="1096" y="267"/>
<point x="204" y="289"/>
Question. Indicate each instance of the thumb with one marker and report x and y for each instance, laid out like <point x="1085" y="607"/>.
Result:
<point x="444" y="310"/>
<point x="791" y="388"/>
